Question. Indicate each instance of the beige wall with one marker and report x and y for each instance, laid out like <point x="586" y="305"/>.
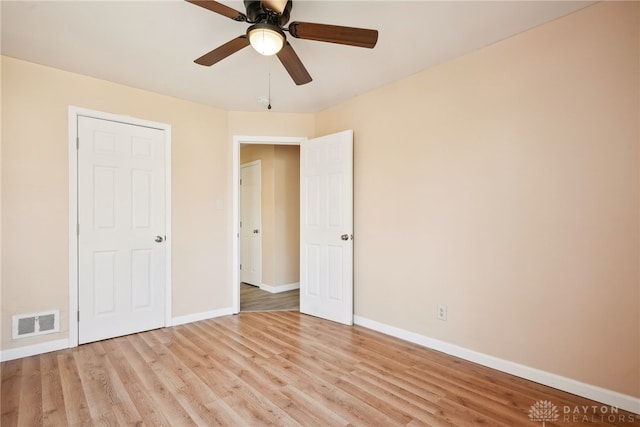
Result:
<point x="287" y="216"/>
<point x="271" y="124"/>
<point x="504" y="184"/>
<point x="34" y="179"/>
<point x="280" y="166"/>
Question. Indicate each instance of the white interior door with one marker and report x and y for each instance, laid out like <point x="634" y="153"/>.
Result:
<point x="250" y="223"/>
<point x="326" y="227"/>
<point x="121" y="238"/>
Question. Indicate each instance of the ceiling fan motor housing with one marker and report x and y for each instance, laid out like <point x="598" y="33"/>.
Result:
<point x="256" y="12"/>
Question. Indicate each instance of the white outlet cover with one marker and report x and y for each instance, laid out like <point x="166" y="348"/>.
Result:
<point x="442" y="312"/>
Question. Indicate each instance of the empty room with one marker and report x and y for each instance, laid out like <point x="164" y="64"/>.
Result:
<point x="493" y="144"/>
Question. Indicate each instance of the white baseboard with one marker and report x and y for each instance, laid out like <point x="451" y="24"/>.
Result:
<point x="190" y="318"/>
<point x="281" y="288"/>
<point x="32" y="350"/>
<point x="608" y="397"/>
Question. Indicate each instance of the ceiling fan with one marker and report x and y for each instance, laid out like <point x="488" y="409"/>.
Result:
<point x="267" y="34"/>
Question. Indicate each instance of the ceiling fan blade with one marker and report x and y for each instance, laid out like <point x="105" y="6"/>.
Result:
<point x="293" y="65"/>
<point x="220" y="8"/>
<point x="275" y="5"/>
<point x="351" y="36"/>
<point x="221" y="52"/>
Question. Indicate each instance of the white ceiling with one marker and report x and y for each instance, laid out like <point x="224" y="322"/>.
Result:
<point x="152" y="44"/>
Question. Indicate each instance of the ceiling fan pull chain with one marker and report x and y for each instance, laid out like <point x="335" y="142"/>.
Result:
<point x="269" y="106"/>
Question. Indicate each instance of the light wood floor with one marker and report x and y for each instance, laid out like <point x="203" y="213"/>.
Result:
<point x="252" y="298"/>
<point x="272" y="368"/>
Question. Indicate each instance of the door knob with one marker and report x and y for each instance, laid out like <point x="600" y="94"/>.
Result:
<point x="159" y="239"/>
<point x="256" y="231"/>
<point x="345" y="237"/>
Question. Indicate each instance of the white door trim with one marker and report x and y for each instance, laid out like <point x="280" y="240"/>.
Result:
<point x="235" y="229"/>
<point x="73" y="114"/>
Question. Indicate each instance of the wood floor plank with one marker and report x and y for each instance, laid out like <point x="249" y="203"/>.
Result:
<point x="31" y="393"/>
<point x="352" y="388"/>
<point x="241" y="372"/>
<point x="53" y="403"/>
<point x="246" y="336"/>
<point x="95" y="383"/>
<point x="180" y="381"/>
<point x="251" y="376"/>
<point x="278" y="368"/>
<point x="166" y="402"/>
<point x="231" y="361"/>
<point x="76" y="405"/>
<point x="418" y="409"/>
<point x="241" y="403"/>
<point x="216" y="367"/>
<point x="314" y="382"/>
<point x="313" y="408"/>
<point x="309" y="411"/>
<point x="421" y="390"/>
<point x="123" y="406"/>
<point x="143" y="400"/>
<point x="11" y="386"/>
<point x="260" y="332"/>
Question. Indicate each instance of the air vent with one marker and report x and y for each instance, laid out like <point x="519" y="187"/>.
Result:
<point x="29" y="325"/>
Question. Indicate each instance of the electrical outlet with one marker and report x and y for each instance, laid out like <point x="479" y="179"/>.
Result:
<point x="442" y="312"/>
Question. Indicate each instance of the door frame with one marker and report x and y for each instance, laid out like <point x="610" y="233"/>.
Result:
<point x="73" y="114"/>
<point x="235" y="231"/>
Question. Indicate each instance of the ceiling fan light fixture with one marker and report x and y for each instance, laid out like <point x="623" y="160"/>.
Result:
<point x="266" y="39"/>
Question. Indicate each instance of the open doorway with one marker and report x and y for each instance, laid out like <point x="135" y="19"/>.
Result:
<point x="276" y="229"/>
<point x="326" y="223"/>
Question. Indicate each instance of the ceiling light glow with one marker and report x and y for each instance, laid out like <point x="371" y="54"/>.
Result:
<point x="266" y="39"/>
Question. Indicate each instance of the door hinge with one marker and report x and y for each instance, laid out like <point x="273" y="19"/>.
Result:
<point x="240" y="266"/>
<point x="78" y="315"/>
<point x="77" y="142"/>
<point x="78" y="229"/>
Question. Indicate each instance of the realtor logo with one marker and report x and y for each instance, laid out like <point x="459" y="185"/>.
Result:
<point x="544" y="411"/>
